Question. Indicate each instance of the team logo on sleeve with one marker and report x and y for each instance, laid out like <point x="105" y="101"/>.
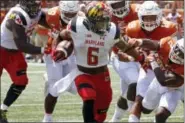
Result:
<point x="12" y="16"/>
<point x="16" y="17"/>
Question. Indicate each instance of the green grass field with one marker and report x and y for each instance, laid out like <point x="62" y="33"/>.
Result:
<point x="29" y="107"/>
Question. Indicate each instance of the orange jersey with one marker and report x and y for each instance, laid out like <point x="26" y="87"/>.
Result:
<point x="54" y="21"/>
<point x="122" y="22"/>
<point x="165" y="47"/>
<point x="53" y="18"/>
<point x="134" y="30"/>
<point x="3" y="13"/>
<point x="167" y="28"/>
<point x="41" y="30"/>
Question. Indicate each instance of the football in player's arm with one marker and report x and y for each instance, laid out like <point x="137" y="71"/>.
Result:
<point x="165" y="76"/>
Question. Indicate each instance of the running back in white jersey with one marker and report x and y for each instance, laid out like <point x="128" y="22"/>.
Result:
<point x="20" y="17"/>
<point x="91" y="50"/>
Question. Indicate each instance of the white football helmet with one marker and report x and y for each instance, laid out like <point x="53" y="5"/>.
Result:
<point x="176" y="54"/>
<point x="68" y="10"/>
<point x="149" y="8"/>
<point x="119" y="8"/>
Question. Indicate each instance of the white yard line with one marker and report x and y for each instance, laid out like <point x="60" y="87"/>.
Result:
<point x="142" y="118"/>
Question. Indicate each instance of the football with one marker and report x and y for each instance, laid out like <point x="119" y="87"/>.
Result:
<point x="63" y="50"/>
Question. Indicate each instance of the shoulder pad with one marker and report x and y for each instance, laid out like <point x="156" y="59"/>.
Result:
<point x="133" y="28"/>
<point x="18" y="18"/>
<point x="134" y="7"/>
<point x="168" y="24"/>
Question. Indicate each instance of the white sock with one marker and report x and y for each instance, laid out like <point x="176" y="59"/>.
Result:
<point x="4" y="107"/>
<point x="133" y="118"/>
<point x="47" y="118"/>
<point x="118" y="114"/>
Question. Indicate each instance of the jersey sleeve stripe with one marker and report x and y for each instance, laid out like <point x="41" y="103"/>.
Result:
<point x="117" y="35"/>
<point x="73" y="24"/>
<point x="23" y="19"/>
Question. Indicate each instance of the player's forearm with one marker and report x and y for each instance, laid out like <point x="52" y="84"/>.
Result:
<point x="150" y="44"/>
<point x="165" y="79"/>
<point x="160" y="75"/>
<point x="29" y="48"/>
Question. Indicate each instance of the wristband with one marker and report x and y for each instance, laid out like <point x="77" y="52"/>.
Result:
<point x="130" y="58"/>
<point x="42" y="50"/>
<point x="154" y="64"/>
<point x="140" y="41"/>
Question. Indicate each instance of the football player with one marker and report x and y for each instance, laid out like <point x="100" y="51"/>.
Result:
<point x="57" y="19"/>
<point x="166" y="88"/>
<point x="92" y="37"/>
<point x="150" y="25"/>
<point x="122" y="13"/>
<point x="15" y="29"/>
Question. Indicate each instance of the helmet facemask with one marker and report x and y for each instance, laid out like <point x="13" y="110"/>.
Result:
<point x="150" y="15"/>
<point x="32" y="7"/>
<point x="176" y="54"/>
<point x="119" y="9"/>
<point x="98" y="15"/>
<point x="67" y="16"/>
<point x="149" y="22"/>
<point x="100" y="26"/>
<point x="68" y="10"/>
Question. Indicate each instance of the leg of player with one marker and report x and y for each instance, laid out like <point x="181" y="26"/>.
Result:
<point x="16" y="67"/>
<point x="121" y="106"/>
<point x="49" y="105"/>
<point x="57" y="73"/>
<point x="167" y="105"/>
<point x="54" y="73"/>
<point x="128" y="73"/>
<point x="86" y="90"/>
<point x="144" y="81"/>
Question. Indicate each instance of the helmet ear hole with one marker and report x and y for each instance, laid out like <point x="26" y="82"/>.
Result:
<point x="119" y="8"/>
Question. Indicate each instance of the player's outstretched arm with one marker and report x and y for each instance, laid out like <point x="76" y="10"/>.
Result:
<point x="144" y="43"/>
<point x="126" y="48"/>
<point x="21" y="39"/>
<point x="166" y="78"/>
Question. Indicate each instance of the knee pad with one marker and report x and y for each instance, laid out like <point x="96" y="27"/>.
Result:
<point x="131" y="93"/>
<point x="146" y="111"/>
<point x="162" y="115"/>
<point x="86" y="91"/>
<point x="122" y="103"/>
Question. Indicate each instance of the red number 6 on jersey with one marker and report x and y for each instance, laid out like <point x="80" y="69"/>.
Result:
<point x="92" y="56"/>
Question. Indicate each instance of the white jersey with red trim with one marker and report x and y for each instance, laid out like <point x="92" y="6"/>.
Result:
<point x="21" y="18"/>
<point x="91" y="50"/>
